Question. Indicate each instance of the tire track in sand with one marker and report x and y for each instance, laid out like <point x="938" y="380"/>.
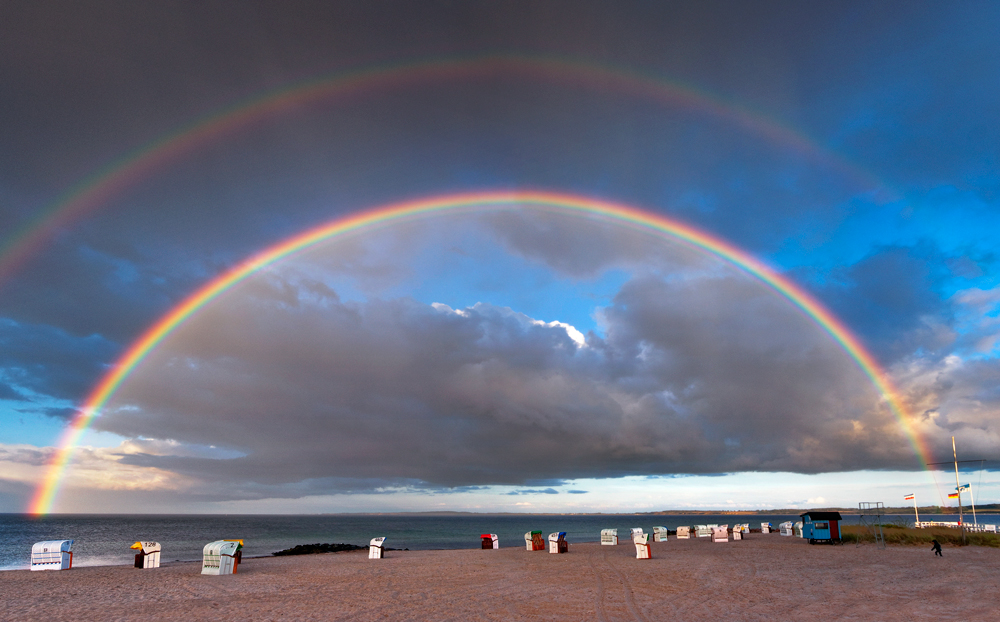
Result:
<point x="627" y="587"/>
<point x="599" y="596"/>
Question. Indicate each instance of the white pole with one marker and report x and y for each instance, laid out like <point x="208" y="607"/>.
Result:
<point x="958" y="489"/>
<point x="915" y="512"/>
<point x="974" y="521"/>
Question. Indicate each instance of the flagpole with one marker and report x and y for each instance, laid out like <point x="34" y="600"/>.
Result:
<point x="958" y="490"/>
<point x="915" y="512"/>
<point x="974" y="520"/>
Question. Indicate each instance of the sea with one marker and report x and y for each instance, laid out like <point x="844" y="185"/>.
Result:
<point x="104" y="539"/>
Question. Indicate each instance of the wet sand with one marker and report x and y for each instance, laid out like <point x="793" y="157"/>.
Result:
<point x="765" y="577"/>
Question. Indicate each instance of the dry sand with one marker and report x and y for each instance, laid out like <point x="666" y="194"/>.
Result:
<point x="765" y="577"/>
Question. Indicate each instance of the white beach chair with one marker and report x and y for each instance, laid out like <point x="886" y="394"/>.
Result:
<point x="659" y="534"/>
<point x="642" y="548"/>
<point x="683" y="532"/>
<point x="702" y="531"/>
<point x="221" y="557"/>
<point x="52" y="555"/>
<point x="375" y="549"/>
<point x="148" y="555"/>
<point x="765" y="527"/>
<point x="786" y="528"/>
<point x="557" y="542"/>
<point x="720" y="534"/>
<point x="737" y="533"/>
<point x="609" y="537"/>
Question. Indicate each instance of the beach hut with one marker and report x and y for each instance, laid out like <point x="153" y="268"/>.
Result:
<point x="375" y="549"/>
<point x="52" y="555"/>
<point x="609" y="536"/>
<point x="642" y="548"/>
<point x="148" y="555"/>
<point x="786" y="528"/>
<point x="659" y="534"/>
<point x="533" y="541"/>
<point x="720" y="534"/>
<point x="221" y="557"/>
<point x="684" y="532"/>
<point x="821" y="526"/>
<point x="702" y="531"/>
<point x="490" y="541"/>
<point x="557" y="542"/>
<point x="765" y="527"/>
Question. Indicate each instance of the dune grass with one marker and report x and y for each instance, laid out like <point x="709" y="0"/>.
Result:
<point x="907" y="535"/>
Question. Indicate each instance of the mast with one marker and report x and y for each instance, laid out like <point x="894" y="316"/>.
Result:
<point x="958" y="489"/>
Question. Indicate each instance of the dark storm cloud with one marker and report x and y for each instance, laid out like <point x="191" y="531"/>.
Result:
<point x="703" y="376"/>
<point x="46" y="361"/>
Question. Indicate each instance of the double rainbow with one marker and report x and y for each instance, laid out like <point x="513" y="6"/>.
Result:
<point x="440" y="206"/>
<point x="98" y="189"/>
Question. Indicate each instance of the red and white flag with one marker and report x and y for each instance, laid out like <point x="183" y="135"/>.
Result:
<point x="908" y="498"/>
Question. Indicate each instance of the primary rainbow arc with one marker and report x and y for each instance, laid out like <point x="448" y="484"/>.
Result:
<point x="440" y="205"/>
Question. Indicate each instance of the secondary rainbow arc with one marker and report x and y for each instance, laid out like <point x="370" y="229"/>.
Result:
<point x="571" y="204"/>
<point x="100" y="187"/>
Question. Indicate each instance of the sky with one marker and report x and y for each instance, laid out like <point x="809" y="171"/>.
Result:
<point x="514" y="359"/>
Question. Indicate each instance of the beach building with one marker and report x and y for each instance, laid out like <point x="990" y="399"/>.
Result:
<point x="821" y="526"/>
<point x="720" y="533"/>
<point x="786" y="528"/>
<point x="684" y="532"/>
<point x="533" y="541"/>
<point x="221" y="557"/>
<point x="52" y="555"/>
<point x="642" y="548"/>
<point x="765" y="527"/>
<point x="609" y="537"/>
<point x="490" y="541"/>
<point x="659" y="534"/>
<point x="557" y="542"/>
<point x="375" y="549"/>
<point x="148" y="555"/>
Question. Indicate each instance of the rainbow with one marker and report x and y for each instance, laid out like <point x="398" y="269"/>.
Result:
<point x="99" y="188"/>
<point x="451" y="204"/>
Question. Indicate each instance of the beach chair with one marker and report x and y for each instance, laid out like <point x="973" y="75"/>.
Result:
<point x="737" y="533"/>
<point x="684" y="533"/>
<point x="221" y="557"/>
<point x="659" y="534"/>
<point x="148" y="555"/>
<point x="52" y="555"/>
<point x="557" y="542"/>
<point x="490" y="541"/>
<point x="720" y="534"/>
<point x="797" y="529"/>
<point x="635" y="530"/>
<point x="375" y="549"/>
<point x="642" y="548"/>
<point x="609" y="537"/>
<point x="765" y="527"/>
<point x="786" y="528"/>
<point x="533" y="541"/>
<point x="702" y="531"/>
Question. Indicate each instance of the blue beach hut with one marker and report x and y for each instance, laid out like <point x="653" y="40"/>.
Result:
<point x="821" y="526"/>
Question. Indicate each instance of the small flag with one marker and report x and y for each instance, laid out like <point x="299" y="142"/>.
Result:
<point x="953" y="495"/>
<point x="908" y="498"/>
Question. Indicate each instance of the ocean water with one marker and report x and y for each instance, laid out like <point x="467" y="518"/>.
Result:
<point x="104" y="539"/>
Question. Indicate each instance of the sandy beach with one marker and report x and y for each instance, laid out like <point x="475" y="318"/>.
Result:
<point x="765" y="577"/>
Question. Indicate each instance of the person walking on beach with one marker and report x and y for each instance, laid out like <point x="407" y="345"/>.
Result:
<point x="936" y="548"/>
